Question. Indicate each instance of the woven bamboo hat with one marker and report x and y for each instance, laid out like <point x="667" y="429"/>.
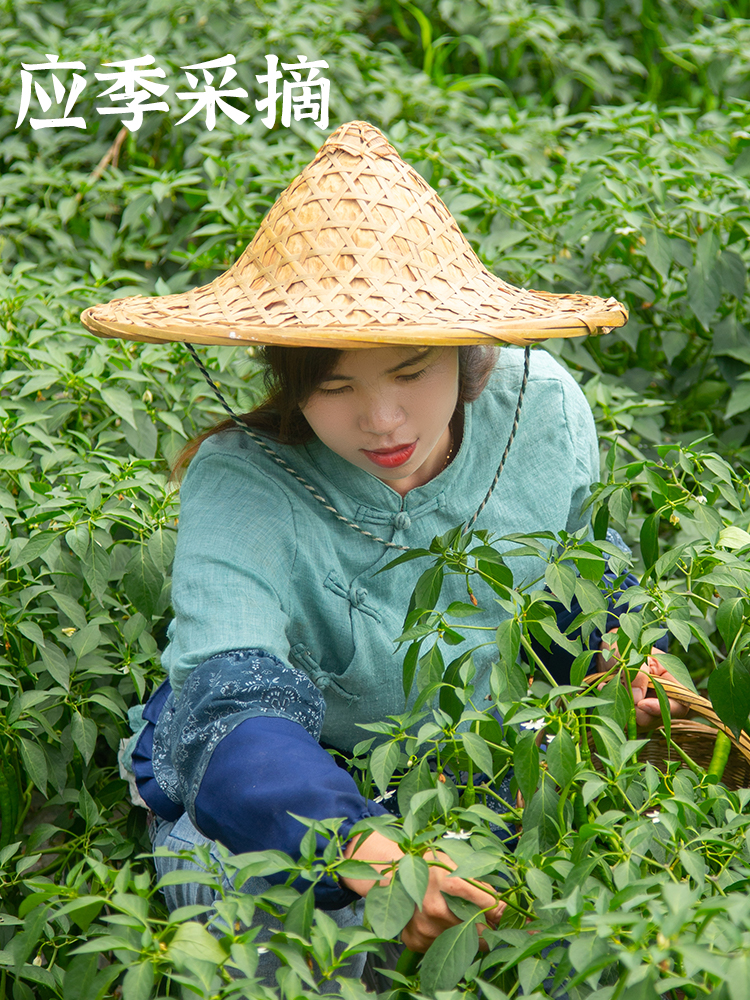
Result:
<point x="357" y="251"/>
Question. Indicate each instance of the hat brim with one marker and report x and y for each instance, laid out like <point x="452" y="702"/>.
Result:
<point x="520" y="332"/>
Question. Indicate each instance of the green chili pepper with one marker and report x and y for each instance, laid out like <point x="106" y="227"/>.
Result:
<point x="722" y="746"/>
<point x="6" y="810"/>
<point x="580" y="813"/>
<point x="13" y="790"/>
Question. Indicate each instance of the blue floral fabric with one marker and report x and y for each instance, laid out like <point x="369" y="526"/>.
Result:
<point x="218" y="696"/>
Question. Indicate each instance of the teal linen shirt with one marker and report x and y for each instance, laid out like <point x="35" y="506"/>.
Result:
<point x="262" y="564"/>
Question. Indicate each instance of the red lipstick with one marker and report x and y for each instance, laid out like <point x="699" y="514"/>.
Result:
<point x="391" y="458"/>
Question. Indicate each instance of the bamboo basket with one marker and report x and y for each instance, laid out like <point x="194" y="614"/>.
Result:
<point x="694" y="736"/>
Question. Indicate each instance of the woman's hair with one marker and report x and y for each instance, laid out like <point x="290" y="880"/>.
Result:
<point x="292" y="374"/>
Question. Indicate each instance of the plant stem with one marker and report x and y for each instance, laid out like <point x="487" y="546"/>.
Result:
<point x="530" y="650"/>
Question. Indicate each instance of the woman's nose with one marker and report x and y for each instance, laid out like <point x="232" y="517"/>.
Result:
<point x="381" y="415"/>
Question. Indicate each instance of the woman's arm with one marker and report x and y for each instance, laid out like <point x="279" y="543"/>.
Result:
<point x="243" y="743"/>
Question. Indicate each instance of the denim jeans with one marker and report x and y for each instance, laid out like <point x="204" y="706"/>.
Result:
<point x="181" y="835"/>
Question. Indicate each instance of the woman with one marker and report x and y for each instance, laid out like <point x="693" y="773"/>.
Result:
<point x="283" y="628"/>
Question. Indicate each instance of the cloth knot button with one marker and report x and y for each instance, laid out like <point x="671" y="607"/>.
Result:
<point x="357" y="596"/>
<point x="401" y="521"/>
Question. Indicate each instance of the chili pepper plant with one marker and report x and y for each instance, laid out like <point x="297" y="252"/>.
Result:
<point x="590" y="147"/>
<point x="620" y="878"/>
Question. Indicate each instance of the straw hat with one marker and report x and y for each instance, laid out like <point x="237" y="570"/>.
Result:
<point x="358" y="250"/>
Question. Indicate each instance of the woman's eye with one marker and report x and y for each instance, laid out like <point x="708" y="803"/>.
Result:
<point x="413" y="376"/>
<point x="334" y="392"/>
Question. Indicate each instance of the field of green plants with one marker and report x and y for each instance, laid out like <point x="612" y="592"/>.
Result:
<point x="598" y="146"/>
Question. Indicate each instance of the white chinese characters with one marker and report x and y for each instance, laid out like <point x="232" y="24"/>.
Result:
<point x="208" y="98"/>
<point x="134" y="90"/>
<point x="58" y="89"/>
<point x="307" y="98"/>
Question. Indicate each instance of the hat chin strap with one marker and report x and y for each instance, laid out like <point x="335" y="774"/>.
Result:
<point x="264" y="446"/>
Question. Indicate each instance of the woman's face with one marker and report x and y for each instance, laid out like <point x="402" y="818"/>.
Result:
<point x="387" y="409"/>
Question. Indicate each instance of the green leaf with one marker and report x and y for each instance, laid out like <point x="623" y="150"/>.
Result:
<point x="580" y="666"/>
<point x="479" y="752"/>
<point x="734" y="537"/>
<point x="704" y="295"/>
<point x="531" y="972"/>
<point x="678" y="669"/>
<point x="590" y="567"/>
<point x="666" y="715"/>
<point x="96" y="568"/>
<point x="729" y="618"/>
<point x="549" y="626"/>
<point x="299" y="916"/>
<point x="448" y="957"/>
<point x="34" y="762"/>
<point x="389" y="908"/>
<point x="508" y="638"/>
<point x="619" y="505"/>
<point x="32" y="631"/>
<point x="540" y="884"/>
<point x="383" y="762"/>
<point x="591" y="789"/>
<point x="650" y="540"/>
<point x="732" y="273"/>
<point x="729" y="691"/>
<point x="490" y="991"/>
<point x="708" y="521"/>
<point x="120" y="403"/>
<point x="738" y="977"/>
<point x="78" y="540"/>
<point x="406" y="557"/>
<point x="561" y="758"/>
<point x="142" y="582"/>
<point x="83" y="981"/>
<point x="70" y="608"/>
<point x="34" y="547"/>
<point x="680" y="630"/>
<point x="450" y="701"/>
<point x="427" y="590"/>
<point x="477" y="864"/>
<point x="409" y="668"/>
<point x="83" y="910"/>
<point x="84" y="732"/>
<point x="526" y="764"/>
<point x="192" y="940"/>
<point x="540" y="814"/>
<point x="462" y="908"/>
<point x="659" y="256"/>
<point x="431" y="668"/>
<point x="12" y="463"/>
<point x="561" y="580"/>
<point x="458" y="609"/>
<point x="138" y="982"/>
<point x="85" y="640"/>
<point x="694" y="865"/>
<point x="414" y="873"/>
<point x="87" y="808"/>
<point x="161" y="546"/>
<point x="739" y="401"/>
<point x="497" y="574"/>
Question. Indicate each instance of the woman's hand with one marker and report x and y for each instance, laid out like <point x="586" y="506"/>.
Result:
<point x="435" y="915"/>
<point x="647" y="709"/>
